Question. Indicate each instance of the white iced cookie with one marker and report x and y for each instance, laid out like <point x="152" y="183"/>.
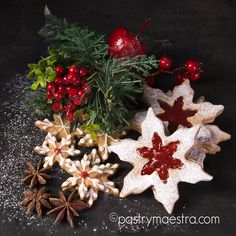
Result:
<point x="159" y="161"/>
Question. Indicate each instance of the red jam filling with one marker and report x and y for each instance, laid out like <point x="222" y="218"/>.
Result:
<point x="84" y="174"/>
<point x="57" y="150"/>
<point x="175" y="114"/>
<point x="160" y="158"/>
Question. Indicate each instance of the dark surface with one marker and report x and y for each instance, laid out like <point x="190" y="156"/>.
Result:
<point x="199" y="29"/>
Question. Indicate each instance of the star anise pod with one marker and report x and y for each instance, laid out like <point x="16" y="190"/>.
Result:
<point x="36" y="174"/>
<point x="68" y="207"/>
<point x="36" y="200"/>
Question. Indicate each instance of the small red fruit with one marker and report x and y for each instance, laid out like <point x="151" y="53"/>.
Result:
<point x="51" y="88"/>
<point x="61" y="89"/>
<point x="49" y="96"/>
<point x="150" y="80"/>
<point x="165" y="63"/>
<point x="83" y="72"/>
<point x="59" y="70"/>
<point x="56" y="107"/>
<point x="58" y="81"/>
<point x="196" y="75"/>
<point x="73" y="69"/>
<point x="70" y="116"/>
<point x="58" y="96"/>
<point x="191" y="66"/>
<point x="69" y="107"/>
<point x="180" y="78"/>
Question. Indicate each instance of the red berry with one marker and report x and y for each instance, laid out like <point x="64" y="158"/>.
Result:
<point x="61" y="89"/>
<point x="77" y="101"/>
<point x="85" y="88"/>
<point x="58" y="81"/>
<point x="70" y="116"/>
<point x="51" y="88"/>
<point x="59" y="70"/>
<point x="180" y="78"/>
<point x="80" y="93"/>
<point x="73" y="69"/>
<point x="70" y="78"/>
<point x="68" y="89"/>
<point x="49" y="96"/>
<point x="196" y="75"/>
<point x="58" y="96"/>
<point x="56" y="107"/>
<point x="165" y="63"/>
<point x="83" y="72"/>
<point x="150" y="80"/>
<point x="69" y="107"/>
<point x="191" y="66"/>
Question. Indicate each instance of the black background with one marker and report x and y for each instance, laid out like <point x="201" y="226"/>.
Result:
<point x="199" y="29"/>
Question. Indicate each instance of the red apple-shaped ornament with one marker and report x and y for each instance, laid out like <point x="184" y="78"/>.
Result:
<point x="123" y="44"/>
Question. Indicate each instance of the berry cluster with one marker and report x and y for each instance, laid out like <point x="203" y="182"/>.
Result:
<point x="191" y="70"/>
<point x="69" y="90"/>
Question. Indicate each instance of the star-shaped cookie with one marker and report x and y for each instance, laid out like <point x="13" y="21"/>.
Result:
<point x="176" y="108"/>
<point x="60" y="127"/>
<point x="159" y="161"/>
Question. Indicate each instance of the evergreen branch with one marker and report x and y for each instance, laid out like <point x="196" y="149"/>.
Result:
<point x="53" y="25"/>
<point x="116" y="86"/>
<point x="84" y="46"/>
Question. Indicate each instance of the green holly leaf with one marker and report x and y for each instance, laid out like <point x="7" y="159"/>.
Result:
<point x="35" y="85"/>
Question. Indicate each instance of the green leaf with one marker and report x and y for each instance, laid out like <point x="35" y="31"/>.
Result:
<point x="38" y="72"/>
<point x="51" y="78"/>
<point x="49" y="71"/>
<point x="31" y="74"/>
<point x="95" y="127"/>
<point x="41" y="63"/>
<point x="93" y="135"/>
<point x="35" y="85"/>
<point x="32" y="66"/>
<point x="42" y="81"/>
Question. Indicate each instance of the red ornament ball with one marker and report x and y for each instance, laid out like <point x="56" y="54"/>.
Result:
<point x="165" y="63"/>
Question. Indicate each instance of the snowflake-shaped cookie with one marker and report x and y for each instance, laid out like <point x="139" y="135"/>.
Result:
<point x="89" y="178"/>
<point x="60" y="127"/>
<point x="177" y="109"/>
<point x="55" y="151"/>
<point x="159" y="161"/>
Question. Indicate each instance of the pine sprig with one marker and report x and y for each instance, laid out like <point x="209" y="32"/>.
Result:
<point x="82" y="45"/>
<point x="116" y="86"/>
<point x="53" y="25"/>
